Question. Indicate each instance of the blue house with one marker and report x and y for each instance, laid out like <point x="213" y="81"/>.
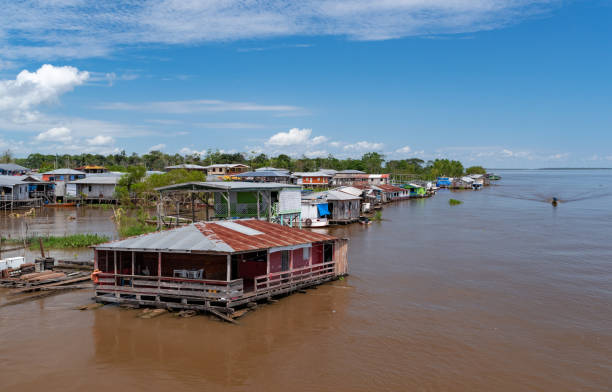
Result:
<point x="443" y="182"/>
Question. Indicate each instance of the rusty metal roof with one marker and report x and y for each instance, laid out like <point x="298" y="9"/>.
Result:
<point x="219" y="237"/>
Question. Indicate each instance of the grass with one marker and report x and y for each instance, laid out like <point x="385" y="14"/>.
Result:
<point x="68" y="241"/>
<point x="454" y="202"/>
<point x="377" y="216"/>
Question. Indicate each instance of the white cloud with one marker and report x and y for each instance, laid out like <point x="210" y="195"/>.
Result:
<point x="294" y="137"/>
<point x="196" y="106"/>
<point x="404" y="150"/>
<point x="157" y="147"/>
<point x="363" y="145"/>
<point x="58" y="135"/>
<point x="558" y="156"/>
<point x="100" y="140"/>
<point x="316" y="154"/>
<point x="20" y="97"/>
<point x="79" y="29"/>
<point x="318" y="140"/>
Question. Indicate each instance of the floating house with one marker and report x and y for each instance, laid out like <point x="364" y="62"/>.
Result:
<point x="343" y="207"/>
<point x="266" y="176"/>
<point x="240" y="199"/>
<point x="349" y="178"/>
<point x="464" y="182"/>
<point x="444" y="182"/>
<point x="313" y="179"/>
<point x="12" y="169"/>
<point x="23" y="192"/>
<point x="415" y="190"/>
<point x="393" y="193"/>
<point x="215" y="266"/>
<point x="315" y="213"/>
<point x="94" y="188"/>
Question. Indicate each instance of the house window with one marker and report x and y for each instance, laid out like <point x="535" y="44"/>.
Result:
<point x="285" y="260"/>
<point x="89" y="188"/>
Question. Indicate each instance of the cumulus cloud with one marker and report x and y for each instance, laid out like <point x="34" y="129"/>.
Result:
<point x="363" y="145"/>
<point x="58" y="135"/>
<point x="100" y="140"/>
<point x="196" y="106"/>
<point x="80" y="29"/>
<point x="404" y="150"/>
<point x="157" y="147"/>
<point x="20" y="97"/>
<point x="295" y="136"/>
<point x="318" y="140"/>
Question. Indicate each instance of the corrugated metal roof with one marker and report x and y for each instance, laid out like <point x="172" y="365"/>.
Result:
<point x="102" y="180"/>
<point x="219" y="237"/>
<point x="330" y="195"/>
<point x="263" y="174"/>
<point x="312" y="174"/>
<point x="350" y="190"/>
<point x="15" y="180"/>
<point x="227" y="186"/>
<point x="227" y="165"/>
<point x="64" y="171"/>
<point x="186" y="166"/>
<point x="12" y="167"/>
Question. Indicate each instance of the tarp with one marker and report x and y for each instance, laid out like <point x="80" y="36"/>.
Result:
<point x="323" y="210"/>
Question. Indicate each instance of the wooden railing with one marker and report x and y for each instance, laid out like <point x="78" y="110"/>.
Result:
<point x="294" y="277"/>
<point x="153" y="285"/>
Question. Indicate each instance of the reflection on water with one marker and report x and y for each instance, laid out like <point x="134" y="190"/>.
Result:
<point x="494" y="294"/>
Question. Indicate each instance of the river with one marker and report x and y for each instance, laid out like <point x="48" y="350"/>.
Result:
<point x="501" y="293"/>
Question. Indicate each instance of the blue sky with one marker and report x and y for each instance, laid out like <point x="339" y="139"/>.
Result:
<point x="500" y="83"/>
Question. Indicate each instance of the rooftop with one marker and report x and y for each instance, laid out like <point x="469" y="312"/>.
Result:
<point x="186" y="166"/>
<point x="98" y="180"/>
<point x="64" y="171"/>
<point x="312" y="174"/>
<point x="219" y="237"/>
<point x="226" y="165"/>
<point x="12" y="167"/>
<point x="330" y="196"/>
<point x="263" y="174"/>
<point x="217" y="186"/>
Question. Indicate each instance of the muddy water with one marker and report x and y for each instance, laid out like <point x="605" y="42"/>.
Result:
<point x="501" y="293"/>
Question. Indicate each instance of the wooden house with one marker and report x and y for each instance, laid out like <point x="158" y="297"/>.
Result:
<point x="220" y="170"/>
<point x="59" y="178"/>
<point x="215" y="266"/>
<point x="266" y="176"/>
<point x="313" y="179"/>
<point x="94" y="188"/>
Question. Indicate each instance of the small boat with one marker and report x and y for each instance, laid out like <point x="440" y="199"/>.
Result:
<point x="554" y="201"/>
<point x="60" y="205"/>
<point x="364" y="221"/>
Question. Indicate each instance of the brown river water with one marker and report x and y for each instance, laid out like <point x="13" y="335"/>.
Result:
<point x="501" y="293"/>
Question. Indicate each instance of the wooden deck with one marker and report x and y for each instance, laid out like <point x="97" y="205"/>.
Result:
<point x="206" y="295"/>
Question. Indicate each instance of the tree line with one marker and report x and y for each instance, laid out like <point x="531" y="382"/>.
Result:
<point x="371" y="162"/>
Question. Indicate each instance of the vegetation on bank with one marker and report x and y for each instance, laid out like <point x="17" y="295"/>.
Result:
<point x="59" y="242"/>
<point x="454" y="202"/>
<point x="129" y="226"/>
<point x="134" y="164"/>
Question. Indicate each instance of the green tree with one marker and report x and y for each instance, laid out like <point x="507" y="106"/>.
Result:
<point x="475" y="170"/>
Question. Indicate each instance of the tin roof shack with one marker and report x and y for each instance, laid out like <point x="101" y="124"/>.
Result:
<point x="215" y="266"/>
<point x="220" y="170"/>
<point x="313" y="180"/>
<point x="350" y="178"/>
<point x="12" y="169"/>
<point x="94" y="188"/>
<point x="266" y="176"/>
<point x="59" y="178"/>
<point x="372" y="196"/>
<point x="343" y="207"/>
<point x="393" y="193"/>
<point x="268" y="200"/>
<point x="462" y="183"/>
<point x="480" y="180"/>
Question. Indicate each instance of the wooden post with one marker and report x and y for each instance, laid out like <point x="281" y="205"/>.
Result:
<point x="192" y="208"/>
<point x="96" y="260"/>
<point x="268" y="269"/>
<point x="133" y="257"/>
<point x="258" y="214"/>
<point x="229" y="268"/>
<point x="115" y="267"/>
<point x="159" y="259"/>
<point x="269" y="206"/>
<point x="177" y="213"/>
<point x="207" y="200"/>
<point x="42" y="248"/>
<point x="229" y="206"/>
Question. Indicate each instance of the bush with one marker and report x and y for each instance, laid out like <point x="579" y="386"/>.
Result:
<point x="454" y="202"/>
